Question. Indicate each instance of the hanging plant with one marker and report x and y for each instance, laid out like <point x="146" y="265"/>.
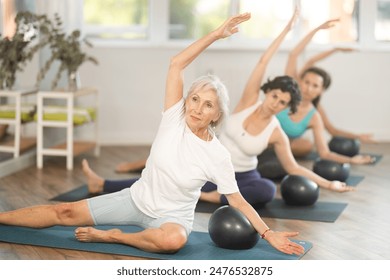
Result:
<point x="67" y="49"/>
<point x="15" y="52"/>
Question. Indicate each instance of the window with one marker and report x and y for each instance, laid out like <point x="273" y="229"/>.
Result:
<point x="382" y="24"/>
<point x="267" y="17"/>
<point x="313" y="13"/>
<point x="163" y="22"/>
<point x="195" y="18"/>
<point x="124" y="19"/>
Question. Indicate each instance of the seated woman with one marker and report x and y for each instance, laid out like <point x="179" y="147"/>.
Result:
<point x="329" y="126"/>
<point x="313" y="81"/>
<point x="185" y="154"/>
<point x="252" y="127"/>
<point x="249" y="130"/>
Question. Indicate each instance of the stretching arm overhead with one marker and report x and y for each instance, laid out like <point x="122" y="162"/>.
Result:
<point x="252" y="88"/>
<point x="174" y="84"/>
<point x="292" y="62"/>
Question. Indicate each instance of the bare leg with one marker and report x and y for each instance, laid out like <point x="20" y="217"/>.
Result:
<point x="213" y="197"/>
<point x="169" y="238"/>
<point x="66" y="214"/>
<point x="125" y="167"/>
<point x="95" y="182"/>
<point x="301" y="147"/>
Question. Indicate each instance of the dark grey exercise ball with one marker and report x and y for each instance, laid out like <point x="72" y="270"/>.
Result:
<point x="230" y="229"/>
<point x="298" y="190"/>
<point x="331" y="170"/>
<point x="269" y="165"/>
<point x="344" y="146"/>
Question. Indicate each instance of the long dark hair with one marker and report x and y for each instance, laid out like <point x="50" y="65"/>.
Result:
<point x="326" y="80"/>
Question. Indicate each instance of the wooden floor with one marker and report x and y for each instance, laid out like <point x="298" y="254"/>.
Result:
<point x="361" y="232"/>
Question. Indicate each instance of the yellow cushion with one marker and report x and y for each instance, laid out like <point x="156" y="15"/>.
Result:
<point x="59" y="113"/>
<point x="8" y="112"/>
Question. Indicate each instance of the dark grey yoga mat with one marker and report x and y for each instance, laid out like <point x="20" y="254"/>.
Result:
<point x="74" y="195"/>
<point x="81" y="192"/>
<point x="314" y="155"/>
<point x="321" y="211"/>
<point x="198" y="247"/>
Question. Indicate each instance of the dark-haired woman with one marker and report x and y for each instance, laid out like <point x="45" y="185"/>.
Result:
<point x="313" y="81"/>
<point x="248" y="131"/>
<point x="252" y="127"/>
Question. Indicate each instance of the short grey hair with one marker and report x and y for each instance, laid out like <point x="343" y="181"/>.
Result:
<point x="214" y="83"/>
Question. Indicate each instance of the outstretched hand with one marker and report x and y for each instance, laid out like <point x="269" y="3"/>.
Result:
<point x="344" y="49"/>
<point x="338" y="186"/>
<point x="328" y="24"/>
<point x="367" y="138"/>
<point x="229" y="27"/>
<point x="362" y="159"/>
<point x="280" y="241"/>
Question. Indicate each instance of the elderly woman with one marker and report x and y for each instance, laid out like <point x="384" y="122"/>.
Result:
<point x="184" y="155"/>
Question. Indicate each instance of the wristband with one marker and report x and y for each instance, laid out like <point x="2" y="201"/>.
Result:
<point x="263" y="235"/>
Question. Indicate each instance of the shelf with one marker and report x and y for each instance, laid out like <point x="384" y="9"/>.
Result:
<point x="71" y="147"/>
<point x="79" y="147"/>
<point x="17" y="145"/>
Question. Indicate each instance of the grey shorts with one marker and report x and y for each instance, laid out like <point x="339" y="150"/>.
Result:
<point x="119" y="209"/>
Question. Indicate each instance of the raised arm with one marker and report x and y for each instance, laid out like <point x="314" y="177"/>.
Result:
<point x="174" y="83"/>
<point x="292" y="62"/>
<point x="318" y="57"/>
<point x="253" y="85"/>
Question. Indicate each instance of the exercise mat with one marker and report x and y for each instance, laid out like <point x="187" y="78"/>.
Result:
<point x="198" y="247"/>
<point x="314" y="155"/>
<point x="321" y="211"/>
<point x="76" y="194"/>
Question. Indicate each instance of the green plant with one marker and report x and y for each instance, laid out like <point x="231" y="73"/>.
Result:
<point x="15" y="52"/>
<point x="66" y="49"/>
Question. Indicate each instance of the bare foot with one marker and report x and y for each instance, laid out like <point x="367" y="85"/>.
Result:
<point x="90" y="234"/>
<point x="125" y="167"/>
<point x="95" y="182"/>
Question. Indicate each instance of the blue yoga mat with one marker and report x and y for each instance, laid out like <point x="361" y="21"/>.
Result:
<point x="198" y="247"/>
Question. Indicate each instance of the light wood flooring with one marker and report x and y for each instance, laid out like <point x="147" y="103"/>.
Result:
<point x="361" y="232"/>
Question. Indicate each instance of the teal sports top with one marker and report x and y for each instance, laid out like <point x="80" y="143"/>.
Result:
<point x="291" y="128"/>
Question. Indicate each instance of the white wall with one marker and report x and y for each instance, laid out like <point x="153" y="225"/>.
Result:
<point x="131" y="82"/>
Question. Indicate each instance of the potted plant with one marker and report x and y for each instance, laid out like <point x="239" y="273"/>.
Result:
<point x="15" y="52"/>
<point x="67" y="49"/>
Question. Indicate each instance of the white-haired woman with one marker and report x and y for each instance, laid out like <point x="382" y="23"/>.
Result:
<point x="185" y="154"/>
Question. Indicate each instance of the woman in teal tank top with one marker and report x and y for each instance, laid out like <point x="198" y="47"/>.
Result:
<point x="313" y="81"/>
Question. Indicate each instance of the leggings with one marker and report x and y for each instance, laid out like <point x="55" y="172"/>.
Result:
<point x="111" y="186"/>
<point x="254" y="188"/>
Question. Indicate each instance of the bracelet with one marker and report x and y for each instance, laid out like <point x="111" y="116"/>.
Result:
<point x="263" y="235"/>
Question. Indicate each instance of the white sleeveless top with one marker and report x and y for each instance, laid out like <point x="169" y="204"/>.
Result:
<point x="244" y="147"/>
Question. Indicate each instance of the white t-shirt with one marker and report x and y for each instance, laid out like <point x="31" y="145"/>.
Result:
<point x="244" y="147"/>
<point x="180" y="163"/>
